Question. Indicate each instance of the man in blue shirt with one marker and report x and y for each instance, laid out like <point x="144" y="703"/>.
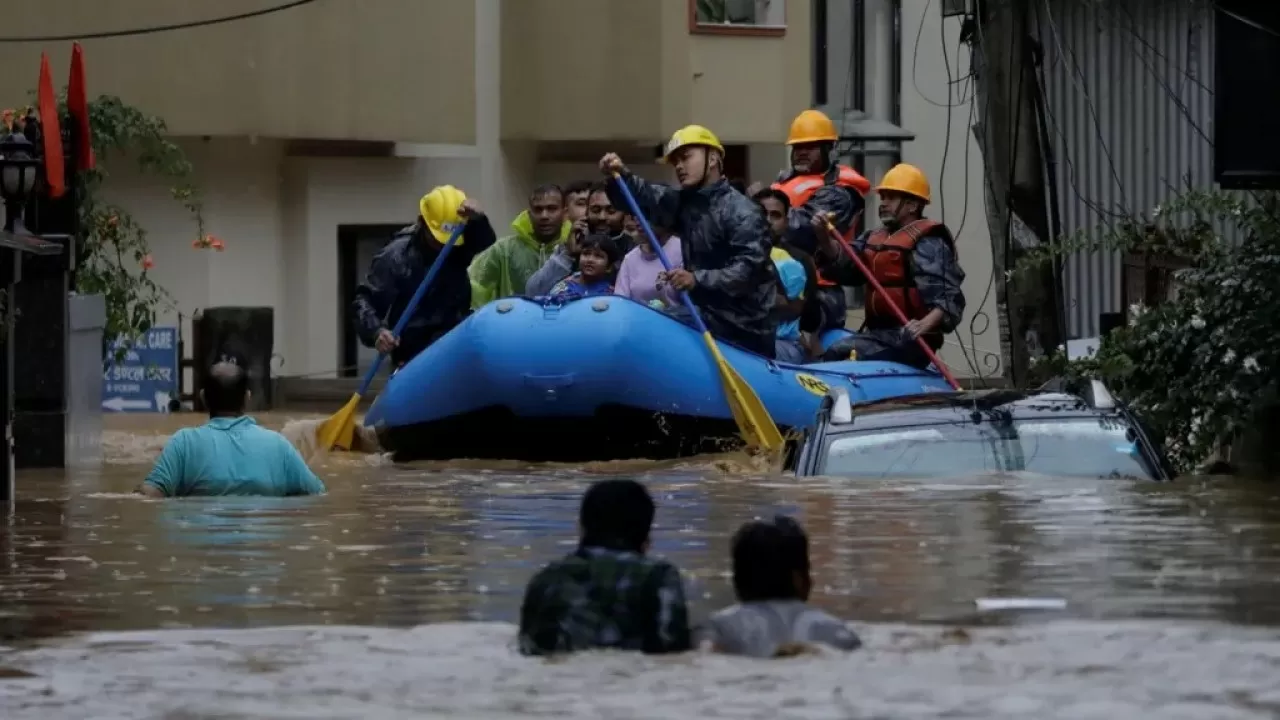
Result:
<point x="231" y="454"/>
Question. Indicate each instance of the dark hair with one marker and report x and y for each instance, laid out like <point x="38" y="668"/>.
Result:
<point x="547" y="189"/>
<point x="767" y="555"/>
<point x="599" y="186"/>
<point x="225" y="385"/>
<point x="577" y="186"/>
<point x="771" y="193"/>
<point x="616" y="514"/>
<point x="603" y="243"/>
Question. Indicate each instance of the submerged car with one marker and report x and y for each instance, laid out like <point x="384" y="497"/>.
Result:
<point x="1066" y="434"/>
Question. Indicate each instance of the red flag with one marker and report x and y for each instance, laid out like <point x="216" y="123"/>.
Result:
<point x="78" y="106"/>
<point x="47" y="103"/>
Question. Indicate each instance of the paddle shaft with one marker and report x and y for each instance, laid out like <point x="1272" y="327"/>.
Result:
<point x="657" y="247"/>
<point x="897" y="311"/>
<point x="412" y="306"/>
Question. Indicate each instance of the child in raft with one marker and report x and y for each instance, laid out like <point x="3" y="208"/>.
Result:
<point x="772" y="582"/>
<point x="597" y="258"/>
<point x="638" y="277"/>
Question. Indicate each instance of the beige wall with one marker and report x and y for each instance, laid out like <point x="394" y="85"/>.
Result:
<point x="409" y="70"/>
<point x="748" y="88"/>
<point x="581" y="69"/>
<point x="385" y="70"/>
<point x="627" y="70"/>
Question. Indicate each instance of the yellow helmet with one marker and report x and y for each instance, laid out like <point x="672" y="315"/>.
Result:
<point x="812" y="126"/>
<point x="906" y="179"/>
<point x="695" y="135"/>
<point x="439" y="209"/>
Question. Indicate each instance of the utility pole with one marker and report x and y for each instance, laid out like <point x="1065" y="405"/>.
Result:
<point x="1021" y="213"/>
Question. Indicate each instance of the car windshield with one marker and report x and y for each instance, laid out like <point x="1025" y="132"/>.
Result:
<point x="1075" y="447"/>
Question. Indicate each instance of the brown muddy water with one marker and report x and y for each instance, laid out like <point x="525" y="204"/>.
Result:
<point x="393" y="596"/>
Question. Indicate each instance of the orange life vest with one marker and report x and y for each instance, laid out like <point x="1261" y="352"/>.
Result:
<point x="888" y="257"/>
<point x="800" y="188"/>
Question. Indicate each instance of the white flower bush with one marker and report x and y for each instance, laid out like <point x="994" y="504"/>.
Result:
<point x="1204" y="366"/>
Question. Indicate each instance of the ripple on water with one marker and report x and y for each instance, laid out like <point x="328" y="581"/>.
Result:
<point x="1197" y="671"/>
<point x="405" y="545"/>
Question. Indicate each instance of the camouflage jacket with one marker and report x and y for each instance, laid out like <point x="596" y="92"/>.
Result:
<point x="598" y="598"/>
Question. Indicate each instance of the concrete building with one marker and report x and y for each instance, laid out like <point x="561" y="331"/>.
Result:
<point x="315" y="129"/>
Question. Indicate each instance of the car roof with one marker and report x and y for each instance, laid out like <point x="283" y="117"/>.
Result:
<point x="932" y="408"/>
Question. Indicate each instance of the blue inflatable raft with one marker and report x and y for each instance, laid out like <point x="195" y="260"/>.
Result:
<point x="593" y="379"/>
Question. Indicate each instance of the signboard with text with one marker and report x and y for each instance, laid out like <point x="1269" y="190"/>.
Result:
<point x="146" y="378"/>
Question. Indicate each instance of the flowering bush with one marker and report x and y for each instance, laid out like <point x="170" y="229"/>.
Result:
<point x="1204" y="366"/>
<point x="113" y="256"/>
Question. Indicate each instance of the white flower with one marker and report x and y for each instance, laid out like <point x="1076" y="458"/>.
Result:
<point x="1228" y="357"/>
<point x="1250" y="364"/>
<point x="1197" y="322"/>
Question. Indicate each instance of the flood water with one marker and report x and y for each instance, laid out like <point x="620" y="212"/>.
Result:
<point x="393" y="596"/>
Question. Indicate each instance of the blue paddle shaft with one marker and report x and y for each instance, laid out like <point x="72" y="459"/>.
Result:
<point x="413" y="304"/>
<point x="657" y="247"/>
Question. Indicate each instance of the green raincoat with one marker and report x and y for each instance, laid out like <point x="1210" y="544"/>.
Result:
<point x="504" y="269"/>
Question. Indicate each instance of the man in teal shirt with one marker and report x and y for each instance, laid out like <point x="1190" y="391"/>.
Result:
<point x="231" y="454"/>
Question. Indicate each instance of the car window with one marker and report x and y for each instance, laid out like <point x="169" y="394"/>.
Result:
<point x="1077" y="447"/>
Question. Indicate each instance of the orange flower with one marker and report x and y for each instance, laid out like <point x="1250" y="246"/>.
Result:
<point x="113" y="220"/>
<point x="208" y="241"/>
<point x="147" y="262"/>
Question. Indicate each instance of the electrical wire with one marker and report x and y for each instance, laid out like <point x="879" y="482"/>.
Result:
<point x="915" y="54"/>
<point x="1064" y="56"/>
<point x="1165" y="73"/>
<point x="1077" y="78"/>
<point x="158" y="28"/>
<point x="970" y="360"/>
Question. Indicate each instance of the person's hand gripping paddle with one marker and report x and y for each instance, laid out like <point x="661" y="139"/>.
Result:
<point x="337" y="432"/>
<point x="757" y="428"/>
<point x="897" y="311"/>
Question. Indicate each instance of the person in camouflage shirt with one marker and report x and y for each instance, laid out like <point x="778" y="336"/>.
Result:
<point x="607" y="593"/>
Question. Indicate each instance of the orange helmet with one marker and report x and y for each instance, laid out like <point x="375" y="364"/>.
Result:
<point x="812" y="126"/>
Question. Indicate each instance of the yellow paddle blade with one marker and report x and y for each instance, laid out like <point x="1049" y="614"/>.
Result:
<point x="338" y="431"/>
<point x="757" y="428"/>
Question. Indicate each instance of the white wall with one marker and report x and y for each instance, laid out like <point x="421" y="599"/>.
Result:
<point x="240" y="184"/>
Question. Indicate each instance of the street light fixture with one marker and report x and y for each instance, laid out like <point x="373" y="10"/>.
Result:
<point x="19" y="168"/>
